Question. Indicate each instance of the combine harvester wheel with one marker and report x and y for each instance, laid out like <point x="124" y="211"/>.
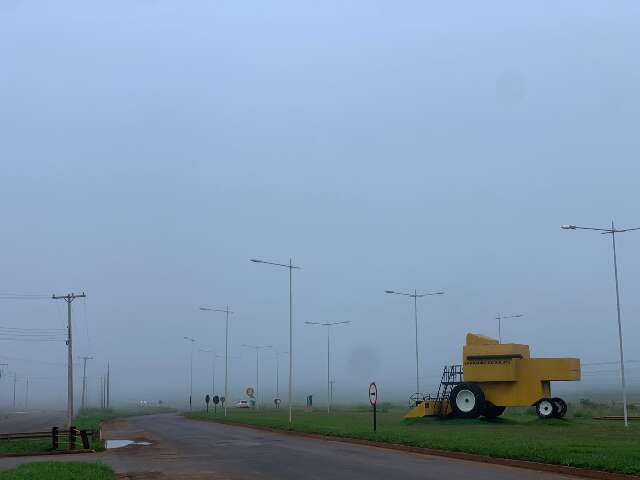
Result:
<point x="467" y="400"/>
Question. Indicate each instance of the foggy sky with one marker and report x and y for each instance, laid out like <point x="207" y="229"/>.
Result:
<point x="150" y="148"/>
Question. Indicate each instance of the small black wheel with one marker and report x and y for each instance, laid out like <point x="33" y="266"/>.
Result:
<point x="492" y="411"/>
<point x="545" y="408"/>
<point x="561" y="407"/>
<point x="467" y="400"/>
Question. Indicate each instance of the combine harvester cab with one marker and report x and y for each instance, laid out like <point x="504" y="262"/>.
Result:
<point x="495" y="376"/>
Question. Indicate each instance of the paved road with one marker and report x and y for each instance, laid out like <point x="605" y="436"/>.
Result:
<point x="31" y="421"/>
<point x="186" y="449"/>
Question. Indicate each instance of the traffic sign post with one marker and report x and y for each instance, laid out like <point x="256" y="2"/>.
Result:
<point x="373" y="400"/>
<point x="216" y="400"/>
<point x="207" y="399"/>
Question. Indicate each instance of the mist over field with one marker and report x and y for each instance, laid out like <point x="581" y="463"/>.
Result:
<point x="149" y="149"/>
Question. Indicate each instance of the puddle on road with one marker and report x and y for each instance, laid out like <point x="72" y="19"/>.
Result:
<point x="123" y="443"/>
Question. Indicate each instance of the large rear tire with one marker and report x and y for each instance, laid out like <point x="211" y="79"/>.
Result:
<point x="545" y="408"/>
<point x="467" y="400"/>
<point x="561" y="407"/>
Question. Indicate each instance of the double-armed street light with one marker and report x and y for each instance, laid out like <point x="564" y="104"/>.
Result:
<point x="613" y="231"/>
<point x="415" y="295"/>
<point x="291" y="267"/>
<point x="328" y="325"/>
<point x="226" y="311"/>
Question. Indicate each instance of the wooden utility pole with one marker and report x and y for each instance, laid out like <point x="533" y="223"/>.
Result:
<point x="70" y="297"/>
<point x="84" y="380"/>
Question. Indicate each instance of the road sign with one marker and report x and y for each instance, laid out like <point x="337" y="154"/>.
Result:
<point x="277" y="402"/>
<point x="216" y="399"/>
<point x="207" y="399"/>
<point x="250" y="392"/>
<point x="373" y="400"/>
<point x="373" y="393"/>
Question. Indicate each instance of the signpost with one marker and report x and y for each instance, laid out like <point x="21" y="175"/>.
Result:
<point x="207" y="399"/>
<point x="277" y="402"/>
<point x="216" y="400"/>
<point x="373" y="400"/>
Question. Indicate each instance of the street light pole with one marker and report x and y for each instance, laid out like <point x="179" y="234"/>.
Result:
<point x="192" y="340"/>
<point x="278" y="353"/>
<point x="328" y="325"/>
<point x="257" y="348"/>
<point x="213" y="367"/>
<point x="415" y="295"/>
<point x="612" y="231"/>
<point x="226" y="311"/>
<point x="501" y="317"/>
<point x="290" y="267"/>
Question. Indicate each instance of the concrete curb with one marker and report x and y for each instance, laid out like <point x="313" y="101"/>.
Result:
<point x="526" y="464"/>
<point x="40" y="454"/>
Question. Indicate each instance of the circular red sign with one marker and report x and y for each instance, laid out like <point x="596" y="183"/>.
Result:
<point x="373" y="393"/>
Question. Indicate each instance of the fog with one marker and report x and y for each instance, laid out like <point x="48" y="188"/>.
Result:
<point x="149" y="149"/>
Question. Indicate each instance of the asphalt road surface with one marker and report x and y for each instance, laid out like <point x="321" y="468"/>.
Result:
<point x="193" y="450"/>
<point x="31" y="421"/>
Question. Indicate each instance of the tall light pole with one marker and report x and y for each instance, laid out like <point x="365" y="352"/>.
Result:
<point x="278" y="353"/>
<point x="291" y="267"/>
<point x="415" y="295"/>
<point x="226" y="311"/>
<point x="257" y="348"/>
<point x="213" y="367"/>
<point x="192" y="340"/>
<point x="70" y="297"/>
<point x="612" y="231"/>
<point x="328" y="325"/>
<point x="501" y="317"/>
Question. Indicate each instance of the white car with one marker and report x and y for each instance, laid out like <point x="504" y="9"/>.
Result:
<point x="242" y="404"/>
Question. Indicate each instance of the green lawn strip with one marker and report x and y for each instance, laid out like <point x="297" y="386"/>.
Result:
<point x="59" y="471"/>
<point x="25" y="446"/>
<point x="577" y="441"/>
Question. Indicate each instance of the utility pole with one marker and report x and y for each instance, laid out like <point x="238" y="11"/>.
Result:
<point x="108" y="386"/>
<point x="70" y="297"/>
<point x="84" y="380"/>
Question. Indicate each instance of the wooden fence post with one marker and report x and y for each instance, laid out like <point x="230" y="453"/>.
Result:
<point x="72" y="438"/>
<point x="85" y="440"/>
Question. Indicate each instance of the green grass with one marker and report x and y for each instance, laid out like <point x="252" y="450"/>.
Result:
<point x="25" y="446"/>
<point x="59" y="471"/>
<point x="577" y="440"/>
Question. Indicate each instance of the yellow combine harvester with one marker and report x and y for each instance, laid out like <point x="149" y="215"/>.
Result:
<point x="495" y="376"/>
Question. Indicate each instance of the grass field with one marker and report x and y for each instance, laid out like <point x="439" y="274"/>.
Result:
<point x="577" y="440"/>
<point x="59" y="471"/>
